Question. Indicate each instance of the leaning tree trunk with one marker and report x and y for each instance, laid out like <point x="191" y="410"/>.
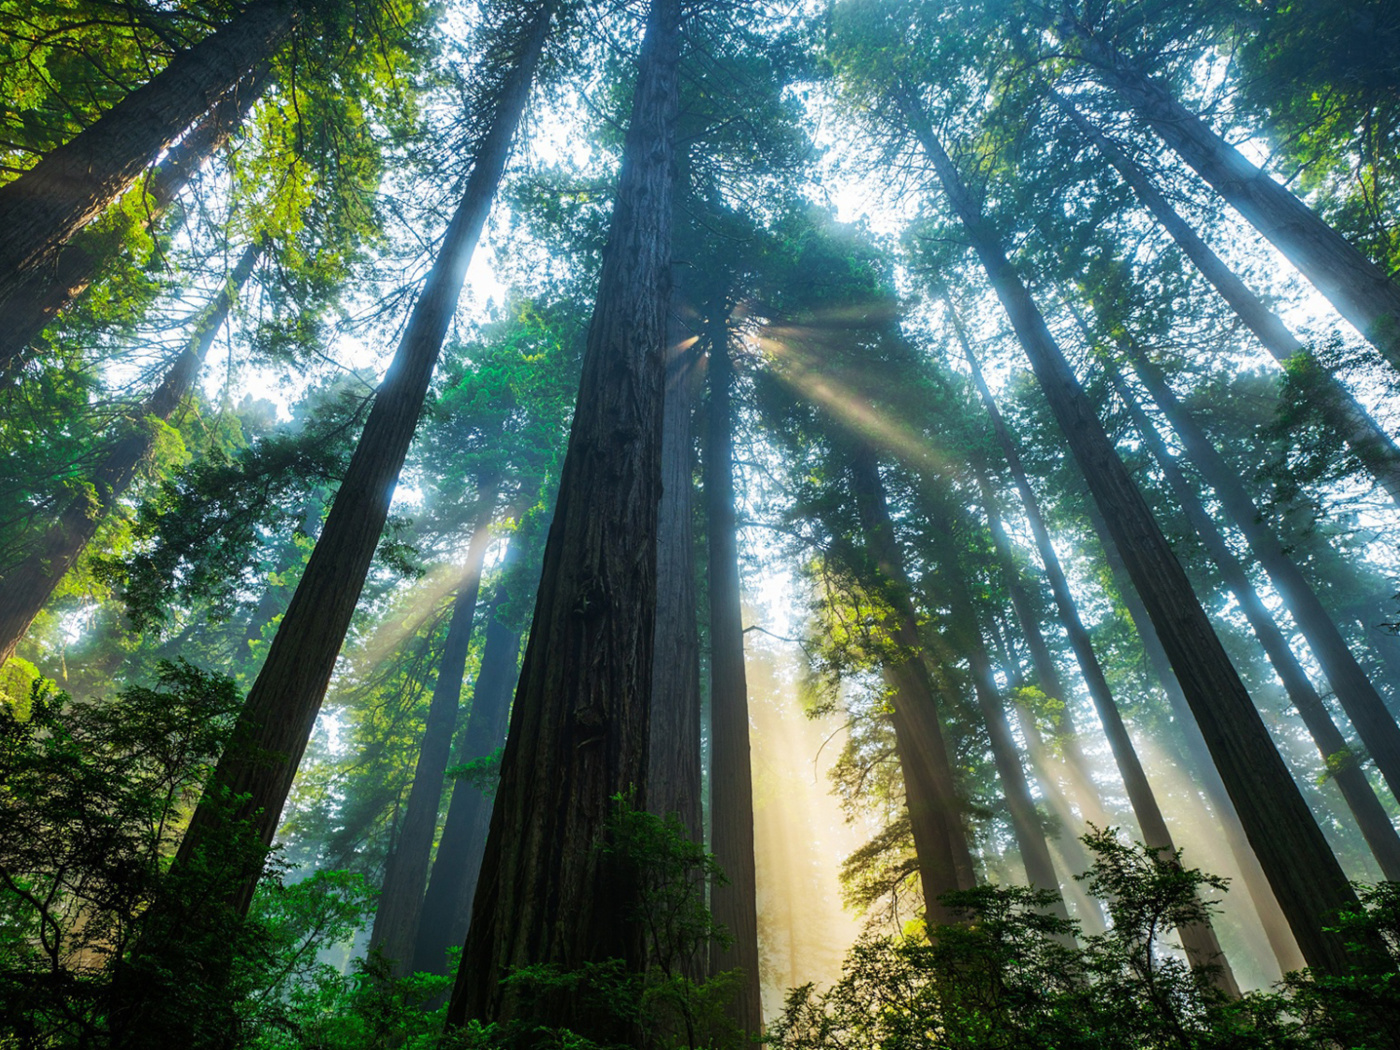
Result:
<point x="48" y="291"/>
<point x="1350" y="684"/>
<point x="1371" y="445"/>
<point x="401" y="898"/>
<point x="43" y="208"/>
<point x="1337" y="757"/>
<point x="735" y="905"/>
<point x="673" y="780"/>
<point x="1199" y="939"/>
<point x="930" y="786"/>
<point x="549" y="893"/>
<point x="1359" y="289"/>
<point x="447" y="905"/>
<point x="26" y="588"/>
<point x="1309" y="883"/>
<point x="277" y="718"/>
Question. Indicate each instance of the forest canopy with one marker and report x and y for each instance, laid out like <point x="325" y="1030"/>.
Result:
<point x="690" y="523"/>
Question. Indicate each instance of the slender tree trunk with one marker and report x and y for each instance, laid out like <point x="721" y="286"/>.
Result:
<point x="281" y="709"/>
<point x="42" y="209"/>
<point x="27" y="587"/>
<point x="930" y="787"/>
<point x="673" y="781"/>
<point x="1372" y="445"/>
<point x="447" y="906"/>
<point x="47" y="292"/>
<point x="1310" y="884"/>
<point x="1203" y="773"/>
<point x="735" y="905"/>
<point x="1357" y="287"/>
<point x="401" y="898"/>
<point x="579" y="728"/>
<point x="1199" y="939"/>
<point x="1353" y="689"/>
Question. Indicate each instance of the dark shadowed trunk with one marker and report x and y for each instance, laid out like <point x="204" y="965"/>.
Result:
<point x="731" y="773"/>
<point x="1350" y="684"/>
<point x="673" y="782"/>
<point x="277" y="719"/>
<point x="930" y="787"/>
<point x="1201" y="944"/>
<point x="401" y="898"/>
<point x="1357" y="287"/>
<point x="1338" y="758"/>
<point x="1372" y="445"/>
<point x="1309" y="883"/>
<point x="447" y="906"/>
<point x="42" y="209"/>
<point x="26" y="588"/>
<point x="549" y="893"/>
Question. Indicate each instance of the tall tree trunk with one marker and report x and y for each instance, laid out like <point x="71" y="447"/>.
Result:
<point x="673" y="780"/>
<point x="277" y="718"/>
<point x="1353" y="689"/>
<point x="930" y="786"/>
<point x="401" y="898"/>
<point x="48" y="291"/>
<point x="1199" y="939"/>
<point x="1357" y="287"/>
<point x="734" y="905"/>
<point x="579" y="729"/>
<point x="1203" y="771"/>
<point x="27" y="587"/>
<point x="1337" y="757"/>
<point x="1372" y="445"/>
<point x="447" y="906"/>
<point x="42" y="209"/>
<point x="1308" y="881"/>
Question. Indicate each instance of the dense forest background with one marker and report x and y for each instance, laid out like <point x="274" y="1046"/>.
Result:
<point x="859" y="523"/>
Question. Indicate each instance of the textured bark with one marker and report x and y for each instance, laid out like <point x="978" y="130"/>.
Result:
<point x="1372" y="445"/>
<point x="276" y="721"/>
<point x="1357" y="287"/>
<point x="1309" y="883"/>
<point x="735" y="906"/>
<point x="401" y="898"/>
<point x="1352" y="688"/>
<point x="930" y="787"/>
<point x="1202" y="771"/>
<point x="447" y="906"/>
<point x="1199" y="939"/>
<point x="47" y="292"/>
<point x="42" y="209"/>
<point x="579" y="728"/>
<point x="673" y="781"/>
<point x="1337" y="756"/>
<point x="25" y="589"/>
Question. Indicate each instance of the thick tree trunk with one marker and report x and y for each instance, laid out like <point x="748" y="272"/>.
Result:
<point x="27" y="587"/>
<point x="46" y="292"/>
<point x="1201" y="944"/>
<point x="1372" y="445"/>
<point x="42" y="209"/>
<point x="930" y="786"/>
<point x="1357" y="287"/>
<point x="401" y="898"/>
<point x="1336" y="755"/>
<point x="735" y="906"/>
<point x="1308" y="881"/>
<point x="447" y="906"/>
<point x="673" y="781"/>
<point x="1203" y="771"/>
<point x="1353" y="689"/>
<point x="281" y="709"/>
<point x="579" y="728"/>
